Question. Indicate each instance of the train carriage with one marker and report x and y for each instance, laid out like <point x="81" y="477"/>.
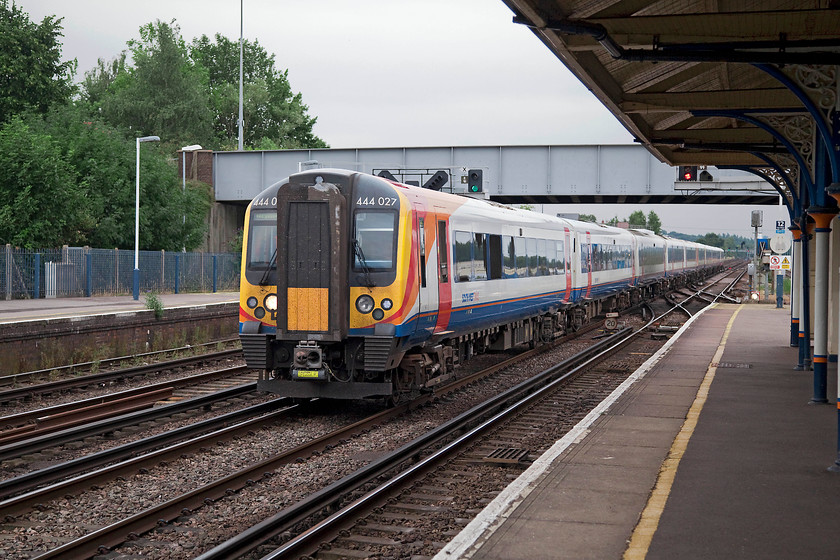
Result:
<point x="354" y="286"/>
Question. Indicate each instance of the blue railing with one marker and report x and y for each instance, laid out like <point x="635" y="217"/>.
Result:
<point x="82" y="271"/>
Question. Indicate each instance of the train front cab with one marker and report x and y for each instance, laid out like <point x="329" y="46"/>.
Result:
<point x="346" y="288"/>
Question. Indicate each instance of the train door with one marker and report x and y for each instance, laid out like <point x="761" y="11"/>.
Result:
<point x="567" y="256"/>
<point x="443" y="273"/>
<point x="428" y="265"/>
<point x="588" y="256"/>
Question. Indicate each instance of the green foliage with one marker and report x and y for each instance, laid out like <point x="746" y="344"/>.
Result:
<point x="99" y="82"/>
<point x="41" y="203"/>
<point x="235" y="244"/>
<point x="274" y="117"/>
<point x="712" y="239"/>
<point x="588" y="218"/>
<point x="637" y="219"/>
<point x="163" y="94"/>
<point x="726" y="240"/>
<point x="153" y="302"/>
<point x="32" y="76"/>
<point x="190" y="94"/>
<point x="68" y="180"/>
<point x="653" y="223"/>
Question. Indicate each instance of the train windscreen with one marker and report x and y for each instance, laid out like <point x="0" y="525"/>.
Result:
<point x="262" y="239"/>
<point x="375" y="236"/>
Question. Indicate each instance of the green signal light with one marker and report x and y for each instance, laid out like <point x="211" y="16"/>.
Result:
<point x="473" y="188"/>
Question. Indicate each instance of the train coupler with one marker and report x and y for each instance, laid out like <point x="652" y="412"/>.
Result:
<point x="308" y="362"/>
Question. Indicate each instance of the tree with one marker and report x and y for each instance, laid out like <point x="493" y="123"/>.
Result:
<point x="653" y="223"/>
<point x="274" y="116"/>
<point x="637" y="219"/>
<point x="101" y="183"/>
<point x="32" y="75"/>
<point x="41" y="204"/>
<point x="712" y="239"/>
<point x="588" y="218"/>
<point x="98" y="82"/>
<point x="163" y="94"/>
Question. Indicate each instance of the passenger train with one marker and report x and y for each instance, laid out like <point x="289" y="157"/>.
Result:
<point x="356" y="286"/>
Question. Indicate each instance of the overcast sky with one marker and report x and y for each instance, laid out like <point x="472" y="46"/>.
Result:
<point x="392" y="73"/>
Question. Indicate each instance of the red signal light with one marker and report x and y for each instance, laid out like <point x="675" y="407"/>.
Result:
<point x="687" y="173"/>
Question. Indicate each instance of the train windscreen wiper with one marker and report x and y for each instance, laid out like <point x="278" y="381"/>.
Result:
<point x="360" y="256"/>
<point x="264" y="279"/>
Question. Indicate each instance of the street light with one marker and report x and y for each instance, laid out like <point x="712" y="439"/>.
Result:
<point x="184" y="150"/>
<point x="137" y="216"/>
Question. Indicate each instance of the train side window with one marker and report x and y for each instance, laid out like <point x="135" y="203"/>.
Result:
<point x="443" y="245"/>
<point x="508" y="257"/>
<point x="494" y="250"/>
<point x="463" y="256"/>
<point x="479" y="256"/>
<point x="542" y="253"/>
<point x="533" y="257"/>
<point x="521" y="257"/>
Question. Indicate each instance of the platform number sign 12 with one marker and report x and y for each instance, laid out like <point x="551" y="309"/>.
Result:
<point x="780" y="226"/>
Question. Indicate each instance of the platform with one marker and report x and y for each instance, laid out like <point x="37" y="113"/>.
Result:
<point x="17" y="310"/>
<point x="712" y="444"/>
<point x="40" y="334"/>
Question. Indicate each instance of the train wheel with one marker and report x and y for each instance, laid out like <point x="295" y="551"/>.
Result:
<point x="397" y="391"/>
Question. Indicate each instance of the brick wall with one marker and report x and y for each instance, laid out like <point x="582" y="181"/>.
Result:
<point x="35" y="345"/>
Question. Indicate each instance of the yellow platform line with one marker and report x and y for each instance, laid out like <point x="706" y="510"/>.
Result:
<point x="649" y="522"/>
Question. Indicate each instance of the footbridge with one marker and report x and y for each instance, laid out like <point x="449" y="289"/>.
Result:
<point x="610" y="174"/>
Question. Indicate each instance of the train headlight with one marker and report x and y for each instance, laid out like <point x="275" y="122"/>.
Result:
<point x="270" y="302"/>
<point x="252" y="302"/>
<point x="378" y="314"/>
<point x="364" y="303"/>
<point x="387" y="304"/>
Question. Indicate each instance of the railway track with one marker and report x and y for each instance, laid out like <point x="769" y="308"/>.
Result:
<point x="185" y="506"/>
<point x="112" y="363"/>
<point x="416" y="505"/>
<point x="84" y="430"/>
<point x="24" y="388"/>
<point x="149" y="519"/>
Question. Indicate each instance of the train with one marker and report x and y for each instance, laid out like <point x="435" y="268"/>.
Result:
<point x="355" y="286"/>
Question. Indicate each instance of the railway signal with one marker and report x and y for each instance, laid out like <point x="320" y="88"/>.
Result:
<point x="687" y="173"/>
<point x="437" y="181"/>
<point x="475" y="180"/>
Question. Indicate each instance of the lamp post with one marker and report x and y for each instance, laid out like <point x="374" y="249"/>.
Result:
<point x="184" y="150"/>
<point x="136" y="288"/>
<point x="241" y="120"/>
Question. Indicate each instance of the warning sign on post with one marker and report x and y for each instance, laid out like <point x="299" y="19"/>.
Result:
<point x="785" y="262"/>
<point x="775" y="262"/>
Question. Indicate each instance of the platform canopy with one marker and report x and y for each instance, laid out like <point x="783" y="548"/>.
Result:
<point x="749" y="84"/>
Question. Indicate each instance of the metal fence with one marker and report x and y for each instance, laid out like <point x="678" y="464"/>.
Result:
<point x="82" y="271"/>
